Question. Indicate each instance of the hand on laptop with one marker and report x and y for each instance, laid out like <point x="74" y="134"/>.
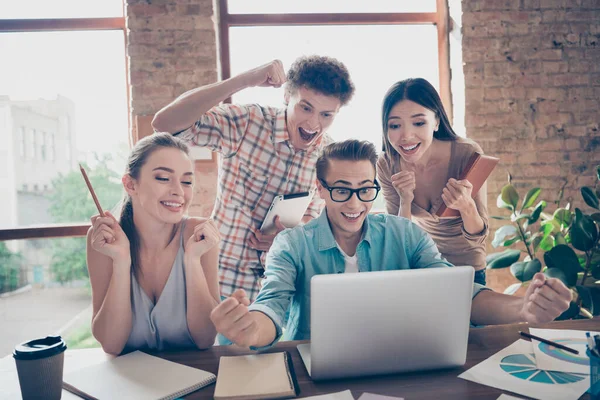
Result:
<point x="233" y="320"/>
<point x="545" y="299"/>
<point x="263" y="242"/>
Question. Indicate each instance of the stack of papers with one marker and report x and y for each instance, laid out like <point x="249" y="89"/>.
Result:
<point x="347" y="395"/>
<point x="536" y="369"/>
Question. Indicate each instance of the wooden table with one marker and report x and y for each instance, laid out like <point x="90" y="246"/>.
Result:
<point x="483" y="342"/>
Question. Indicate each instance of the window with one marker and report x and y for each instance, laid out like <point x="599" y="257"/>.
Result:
<point x="22" y="142"/>
<point x="372" y="68"/>
<point x="31" y="9"/>
<point x="57" y="273"/>
<point x="59" y="105"/>
<point x="43" y="146"/>
<point x="51" y="154"/>
<point x="329" y="6"/>
<point x="64" y="105"/>
<point x="380" y="41"/>
<point x="33" y="148"/>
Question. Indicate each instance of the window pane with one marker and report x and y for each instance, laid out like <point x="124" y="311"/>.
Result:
<point x="71" y="108"/>
<point x="376" y="56"/>
<point x="46" y="291"/>
<point x="329" y="6"/>
<point x="24" y="9"/>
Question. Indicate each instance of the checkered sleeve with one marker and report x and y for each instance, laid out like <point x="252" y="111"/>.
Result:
<point x="315" y="207"/>
<point x="223" y="127"/>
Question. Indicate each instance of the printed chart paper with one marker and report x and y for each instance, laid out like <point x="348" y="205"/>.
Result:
<point x="514" y="369"/>
<point x="554" y="359"/>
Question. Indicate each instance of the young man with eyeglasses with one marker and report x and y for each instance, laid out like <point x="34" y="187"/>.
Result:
<point x="346" y="238"/>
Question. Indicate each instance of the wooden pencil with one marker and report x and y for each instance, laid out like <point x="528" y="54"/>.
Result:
<point x="89" y="185"/>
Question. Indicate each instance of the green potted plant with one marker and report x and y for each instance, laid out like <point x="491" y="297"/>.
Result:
<point x="564" y="245"/>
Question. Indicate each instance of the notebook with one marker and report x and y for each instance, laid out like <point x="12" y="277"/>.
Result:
<point x="477" y="170"/>
<point x="136" y="375"/>
<point x="256" y="376"/>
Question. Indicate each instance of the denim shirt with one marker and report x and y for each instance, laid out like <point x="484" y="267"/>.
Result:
<point x="298" y="254"/>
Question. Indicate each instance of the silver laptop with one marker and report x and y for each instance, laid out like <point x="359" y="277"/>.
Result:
<point x="390" y="321"/>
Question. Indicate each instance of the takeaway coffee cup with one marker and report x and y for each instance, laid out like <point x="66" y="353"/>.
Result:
<point x="40" y="367"/>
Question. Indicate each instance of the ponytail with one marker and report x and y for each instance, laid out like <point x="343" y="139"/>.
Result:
<point x="126" y="221"/>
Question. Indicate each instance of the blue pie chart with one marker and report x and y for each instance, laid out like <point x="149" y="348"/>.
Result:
<point x="560" y="354"/>
<point x="522" y="366"/>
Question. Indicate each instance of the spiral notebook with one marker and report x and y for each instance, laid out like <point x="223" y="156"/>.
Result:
<point x="134" y="376"/>
<point x="256" y="376"/>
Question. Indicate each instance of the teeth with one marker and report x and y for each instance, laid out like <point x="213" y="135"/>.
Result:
<point x="309" y="132"/>
<point x="352" y="215"/>
<point x="410" y="148"/>
<point x="170" y="204"/>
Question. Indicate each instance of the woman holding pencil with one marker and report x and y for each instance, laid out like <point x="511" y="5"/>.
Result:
<point x="418" y="172"/>
<point x="153" y="270"/>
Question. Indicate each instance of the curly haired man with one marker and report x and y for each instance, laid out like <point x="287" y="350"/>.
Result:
<point x="265" y="151"/>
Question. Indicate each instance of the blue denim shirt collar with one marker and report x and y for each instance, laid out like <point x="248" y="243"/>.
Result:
<point x="325" y="235"/>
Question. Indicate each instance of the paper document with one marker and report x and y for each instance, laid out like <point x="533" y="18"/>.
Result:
<point x="554" y="359"/>
<point x="345" y="395"/>
<point x="373" y="396"/>
<point x="514" y="369"/>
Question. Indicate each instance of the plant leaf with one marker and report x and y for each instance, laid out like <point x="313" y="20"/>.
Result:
<point x="502" y="259"/>
<point x="502" y="233"/>
<point x="530" y="198"/>
<point x="510" y="242"/>
<point x="536" y="242"/>
<point x="563" y="216"/>
<point x="584" y="232"/>
<point x="546" y="229"/>
<point x="568" y="279"/>
<point x="595" y="217"/>
<point x="525" y="270"/>
<point x="535" y="215"/>
<point x="586" y="297"/>
<point x="589" y="197"/>
<point x="521" y="216"/>
<point x="547" y="243"/>
<point x="598" y="172"/>
<point x="510" y="196"/>
<point x="564" y="258"/>
<point x="512" y="289"/>
<point x="559" y="238"/>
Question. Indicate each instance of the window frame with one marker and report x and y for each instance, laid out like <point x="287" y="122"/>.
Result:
<point x="52" y="25"/>
<point x="440" y="18"/>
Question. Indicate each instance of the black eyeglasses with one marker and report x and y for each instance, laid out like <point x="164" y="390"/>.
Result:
<point x="340" y="194"/>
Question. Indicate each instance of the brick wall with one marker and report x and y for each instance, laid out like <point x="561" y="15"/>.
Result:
<point x="532" y="75"/>
<point x="172" y="48"/>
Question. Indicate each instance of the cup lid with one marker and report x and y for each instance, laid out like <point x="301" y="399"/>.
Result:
<point x="39" y="348"/>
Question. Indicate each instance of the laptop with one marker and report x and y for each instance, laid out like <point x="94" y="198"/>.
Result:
<point x="386" y="322"/>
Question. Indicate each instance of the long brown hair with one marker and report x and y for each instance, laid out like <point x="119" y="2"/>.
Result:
<point x="423" y="93"/>
<point x="138" y="157"/>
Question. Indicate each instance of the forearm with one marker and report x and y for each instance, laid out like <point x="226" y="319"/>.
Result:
<point x="265" y="327"/>
<point x="472" y="221"/>
<point x="112" y="323"/>
<point x="491" y="308"/>
<point x="184" y="111"/>
<point x="200" y="303"/>
<point x="405" y="209"/>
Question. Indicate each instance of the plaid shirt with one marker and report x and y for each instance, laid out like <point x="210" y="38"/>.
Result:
<point x="257" y="163"/>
